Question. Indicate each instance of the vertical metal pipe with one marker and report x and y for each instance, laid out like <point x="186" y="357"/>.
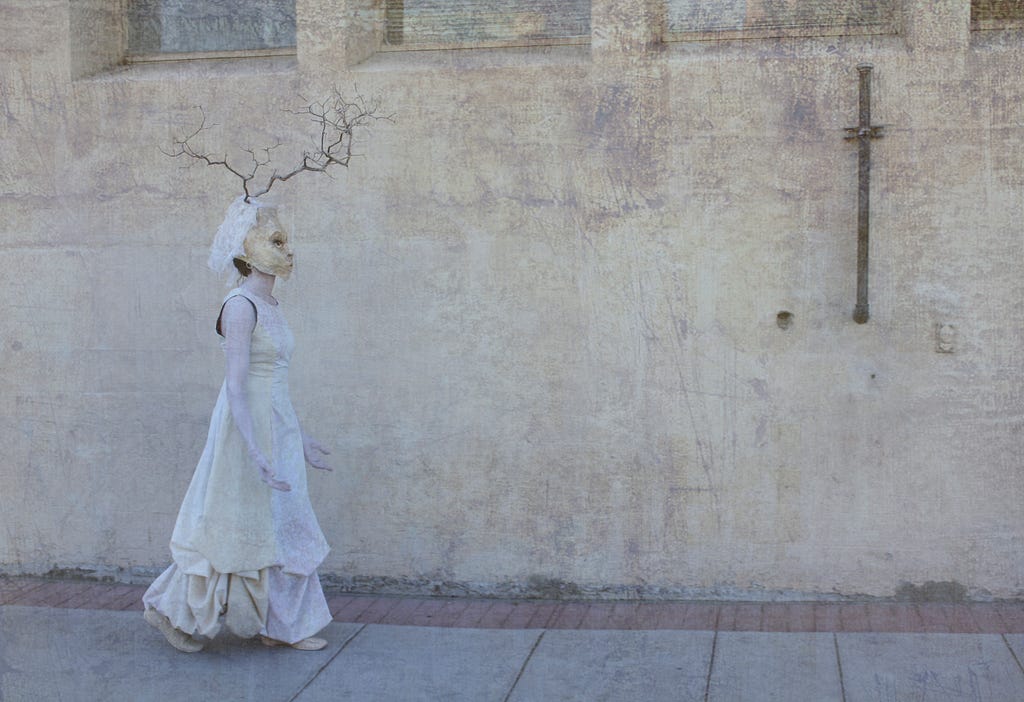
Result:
<point x="861" y="312"/>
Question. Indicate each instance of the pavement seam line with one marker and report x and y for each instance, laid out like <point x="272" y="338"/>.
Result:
<point x="324" y="666"/>
<point x="711" y="665"/>
<point x="522" y="668"/>
<point x="1012" y="652"/>
<point x="839" y="666"/>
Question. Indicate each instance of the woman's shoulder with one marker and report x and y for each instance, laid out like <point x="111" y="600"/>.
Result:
<point x="238" y="292"/>
<point x="237" y="308"/>
<point x="239" y="296"/>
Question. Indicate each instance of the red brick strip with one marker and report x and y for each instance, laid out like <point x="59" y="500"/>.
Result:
<point x="876" y="616"/>
<point x="496" y="615"/>
<point x="1012" y="616"/>
<point x="598" y="616"/>
<point x="826" y="617"/>
<point x="402" y="611"/>
<point x="541" y="615"/>
<point x="351" y="610"/>
<point x="988" y="619"/>
<point x="569" y="616"/>
<point x="449" y="615"/>
<point x="337" y="603"/>
<point x="854" y="617"/>
<point x="521" y="615"/>
<point x="739" y="617"/>
<point x="431" y="611"/>
<point x="377" y="610"/>
<point x="471" y="615"/>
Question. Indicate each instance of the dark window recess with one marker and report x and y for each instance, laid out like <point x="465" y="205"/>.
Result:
<point x="483" y="22"/>
<point x="996" y="10"/>
<point x="183" y="26"/>
<point x="692" y="16"/>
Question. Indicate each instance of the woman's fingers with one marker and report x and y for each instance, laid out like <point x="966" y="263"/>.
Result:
<point x="278" y="484"/>
<point x="270" y="479"/>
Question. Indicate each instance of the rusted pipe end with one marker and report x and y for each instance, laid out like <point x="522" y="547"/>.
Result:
<point x="861" y="314"/>
<point x="864" y="67"/>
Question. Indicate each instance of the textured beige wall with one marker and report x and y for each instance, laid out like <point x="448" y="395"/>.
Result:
<point x="537" y="322"/>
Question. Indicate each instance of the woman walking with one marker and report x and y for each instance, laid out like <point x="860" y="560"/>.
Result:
<point x="246" y="544"/>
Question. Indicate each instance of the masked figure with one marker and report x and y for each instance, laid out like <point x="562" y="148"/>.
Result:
<point x="246" y="544"/>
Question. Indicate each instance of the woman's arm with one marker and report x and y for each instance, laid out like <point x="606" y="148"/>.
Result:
<point x="237" y="322"/>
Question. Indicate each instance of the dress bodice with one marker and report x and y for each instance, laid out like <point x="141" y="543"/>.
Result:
<point x="272" y="340"/>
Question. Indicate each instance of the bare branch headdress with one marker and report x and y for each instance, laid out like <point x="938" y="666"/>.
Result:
<point x="336" y="118"/>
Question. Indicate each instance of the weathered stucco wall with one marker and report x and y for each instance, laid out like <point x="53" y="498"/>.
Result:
<point x="537" y="322"/>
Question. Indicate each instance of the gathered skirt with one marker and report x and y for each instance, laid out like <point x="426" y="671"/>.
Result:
<point x="270" y="602"/>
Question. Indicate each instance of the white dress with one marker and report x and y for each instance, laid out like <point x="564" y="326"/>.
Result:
<point x="241" y="548"/>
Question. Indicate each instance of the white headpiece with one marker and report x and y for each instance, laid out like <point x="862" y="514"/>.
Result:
<point x="229" y="243"/>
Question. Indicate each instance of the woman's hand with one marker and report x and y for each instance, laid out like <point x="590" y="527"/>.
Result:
<point x="315" y="453"/>
<point x="266" y="472"/>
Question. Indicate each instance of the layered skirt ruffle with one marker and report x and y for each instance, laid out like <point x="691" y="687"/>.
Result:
<point x="270" y="602"/>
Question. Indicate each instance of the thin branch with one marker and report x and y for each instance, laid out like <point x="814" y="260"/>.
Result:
<point x="337" y="118"/>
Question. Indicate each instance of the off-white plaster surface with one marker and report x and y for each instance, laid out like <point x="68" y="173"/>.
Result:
<point x="537" y="320"/>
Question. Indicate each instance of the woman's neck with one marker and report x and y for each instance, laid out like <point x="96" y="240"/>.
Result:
<point x="261" y="284"/>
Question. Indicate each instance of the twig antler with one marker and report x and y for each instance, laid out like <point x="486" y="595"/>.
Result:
<point x="337" y="119"/>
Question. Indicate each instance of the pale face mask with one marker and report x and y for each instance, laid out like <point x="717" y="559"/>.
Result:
<point x="266" y="246"/>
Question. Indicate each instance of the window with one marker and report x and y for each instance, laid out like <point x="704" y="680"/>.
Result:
<point x="688" y="19"/>
<point x="440" y="24"/>
<point x="994" y="14"/>
<point x="209" y="26"/>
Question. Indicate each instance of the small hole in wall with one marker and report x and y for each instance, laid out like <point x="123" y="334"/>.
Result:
<point x="784" y="319"/>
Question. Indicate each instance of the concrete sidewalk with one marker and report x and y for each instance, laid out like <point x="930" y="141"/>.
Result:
<point x="94" y="645"/>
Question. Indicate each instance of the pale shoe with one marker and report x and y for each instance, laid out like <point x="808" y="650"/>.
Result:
<point x="175" y="637"/>
<point x="310" y="644"/>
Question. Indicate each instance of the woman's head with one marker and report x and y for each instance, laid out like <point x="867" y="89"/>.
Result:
<point x="251" y="236"/>
<point x="266" y="245"/>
